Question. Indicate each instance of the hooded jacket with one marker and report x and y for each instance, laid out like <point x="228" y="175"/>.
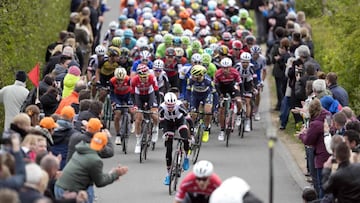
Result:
<point x="314" y="136"/>
<point x="83" y="170"/>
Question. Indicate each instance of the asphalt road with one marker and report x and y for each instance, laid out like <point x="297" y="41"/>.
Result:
<point x="247" y="158"/>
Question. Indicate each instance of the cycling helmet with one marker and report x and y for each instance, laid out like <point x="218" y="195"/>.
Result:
<point x="113" y="25"/>
<point x="113" y="51"/>
<point x="148" y="4"/>
<point x="223" y="50"/>
<point x="185" y="40"/>
<point x="170" y="51"/>
<point x="146" y="10"/>
<point x="147" y="23"/>
<point x="226" y="36"/>
<point x="256" y="49"/>
<point x="243" y="13"/>
<point x="196" y="45"/>
<point x="244" y="34"/>
<point x="125" y="52"/>
<point x="119" y="32"/>
<point x="148" y="16"/>
<point x="246" y="57"/>
<point x="176" y="41"/>
<point x="195" y="6"/>
<point x="196" y="58"/>
<point x="116" y="41"/>
<point x="128" y="33"/>
<point x="203" y="33"/>
<point x="217" y="26"/>
<point x="203" y="23"/>
<point x="170" y="99"/>
<point x="179" y="52"/>
<point x="100" y="50"/>
<point x="187" y="33"/>
<point x="198" y="70"/>
<point x="165" y="20"/>
<point x="122" y="18"/>
<point x="235" y="19"/>
<point x="120" y="73"/>
<point x="231" y="3"/>
<point x="145" y="55"/>
<point x="209" y="51"/>
<point x="176" y="3"/>
<point x="164" y="5"/>
<point x="168" y="39"/>
<point x="158" y="64"/>
<point x="232" y="190"/>
<point x="250" y="39"/>
<point x="219" y="13"/>
<point x="184" y="14"/>
<point x="142" y="42"/>
<point x="203" y="169"/>
<point x="142" y="69"/>
<point x="158" y="38"/>
<point x="139" y="29"/>
<point x="206" y="58"/>
<point x="212" y="5"/>
<point x="237" y="44"/>
<point x="177" y="30"/>
<point x="214" y="46"/>
<point x="130" y="23"/>
<point x="226" y="62"/>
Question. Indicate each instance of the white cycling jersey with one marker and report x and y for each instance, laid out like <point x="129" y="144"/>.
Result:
<point x="178" y="112"/>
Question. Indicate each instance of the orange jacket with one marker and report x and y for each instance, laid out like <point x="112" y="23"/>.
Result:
<point x="67" y="101"/>
<point x="189" y="24"/>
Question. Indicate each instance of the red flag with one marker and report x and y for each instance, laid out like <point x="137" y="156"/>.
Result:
<point x="34" y="75"/>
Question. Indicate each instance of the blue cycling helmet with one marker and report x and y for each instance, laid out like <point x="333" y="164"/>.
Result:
<point x="176" y="41"/>
<point x="128" y="33"/>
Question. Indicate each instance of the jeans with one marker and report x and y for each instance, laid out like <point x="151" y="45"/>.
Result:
<point x="284" y="111"/>
<point x="310" y="161"/>
<point x="59" y="192"/>
<point x="319" y="186"/>
<point x="279" y="83"/>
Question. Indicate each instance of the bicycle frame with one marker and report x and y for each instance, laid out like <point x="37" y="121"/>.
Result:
<point x="125" y="125"/>
<point x="176" y="169"/>
<point x="229" y="116"/>
<point x="146" y="133"/>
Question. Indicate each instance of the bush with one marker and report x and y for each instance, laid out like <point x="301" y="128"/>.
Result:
<point x="26" y="29"/>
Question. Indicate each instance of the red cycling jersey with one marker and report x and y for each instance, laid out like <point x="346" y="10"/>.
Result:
<point x="146" y="88"/>
<point x="189" y="185"/>
<point x="121" y="88"/>
<point x="173" y="66"/>
<point x="231" y="77"/>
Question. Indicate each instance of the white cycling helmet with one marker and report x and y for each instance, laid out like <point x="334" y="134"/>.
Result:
<point x="100" y="50"/>
<point x="170" y="99"/>
<point x="120" y="73"/>
<point x="203" y="169"/>
<point x="141" y="42"/>
<point x="245" y="57"/>
<point x="113" y="25"/>
<point x="119" y="32"/>
<point x="196" y="58"/>
<point x="158" y="38"/>
<point x="232" y="190"/>
<point x="226" y="62"/>
<point x="158" y="64"/>
<point x="145" y="54"/>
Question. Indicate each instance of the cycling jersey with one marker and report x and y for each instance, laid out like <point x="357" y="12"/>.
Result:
<point x="120" y="88"/>
<point x="107" y="68"/>
<point x="94" y="62"/>
<point x="247" y="77"/>
<point x="190" y="186"/>
<point x="171" y="69"/>
<point x="137" y="62"/>
<point x="127" y="65"/>
<point x="177" y="113"/>
<point x="198" y="92"/>
<point x="162" y="79"/>
<point x="259" y="65"/>
<point x="131" y="45"/>
<point x="211" y="69"/>
<point x="231" y="78"/>
<point x="141" y="88"/>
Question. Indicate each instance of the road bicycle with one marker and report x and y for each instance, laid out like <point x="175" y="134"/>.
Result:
<point x="230" y="111"/>
<point x="146" y="134"/>
<point x="107" y="109"/>
<point x="176" y="165"/>
<point x="241" y="127"/>
<point x="125" y="124"/>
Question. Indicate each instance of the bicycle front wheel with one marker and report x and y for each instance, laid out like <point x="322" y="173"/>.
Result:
<point x="125" y="132"/>
<point x="174" y="173"/>
<point x="144" y="144"/>
<point x="195" y="150"/>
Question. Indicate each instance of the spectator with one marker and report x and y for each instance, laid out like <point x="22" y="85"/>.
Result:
<point x="61" y="54"/>
<point x="233" y="189"/>
<point x="28" y="146"/>
<point x="353" y="125"/>
<point x="301" y="19"/>
<point x="303" y="52"/>
<point x="309" y="195"/>
<point x="50" y="101"/>
<point x="93" y="126"/>
<point x="47" y="126"/>
<point x="70" y="80"/>
<point x="83" y="94"/>
<point x="13" y="96"/>
<point x="51" y="165"/>
<point x="62" y="134"/>
<point x="343" y="184"/>
<point x="352" y="139"/>
<point x="86" y="169"/>
<point x="74" y="19"/>
<point x="73" y="98"/>
<point x="61" y="37"/>
<point x="337" y="91"/>
<point x="9" y="196"/>
<point x="313" y="136"/>
<point x="93" y="112"/>
<point x="33" y="112"/>
<point x="33" y="186"/>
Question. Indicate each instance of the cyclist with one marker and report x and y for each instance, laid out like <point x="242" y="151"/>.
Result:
<point x="128" y="39"/>
<point x="171" y="67"/>
<point x="161" y="77"/>
<point x="119" y="95"/>
<point x="259" y="62"/>
<point x="99" y="55"/>
<point x="227" y="80"/>
<point x="125" y="61"/>
<point x="110" y="33"/>
<point x="198" y="185"/>
<point x="200" y="88"/>
<point x="236" y="51"/>
<point x="144" y="59"/>
<point x="173" y="116"/>
<point x="145" y="93"/>
<point x="161" y="49"/>
<point x="106" y="68"/>
<point x="226" y="40"/>
<point x="206" y="62"/>
<point x="247" y="86"/>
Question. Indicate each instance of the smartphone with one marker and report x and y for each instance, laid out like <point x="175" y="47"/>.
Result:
<point x="328" y="119"/>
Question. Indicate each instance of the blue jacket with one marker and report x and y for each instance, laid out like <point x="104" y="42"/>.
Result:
<point x="340" y="94"/>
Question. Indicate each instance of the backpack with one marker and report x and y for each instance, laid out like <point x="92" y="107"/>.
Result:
<point x="30" y="99"/>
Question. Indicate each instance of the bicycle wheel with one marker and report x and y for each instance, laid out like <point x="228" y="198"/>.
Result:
<point x="195" y="150"/>
<point x="143" y="147"/>
<point x="173" y="173"/>
<point x="107" y="109"/>
<point x="148" y="139"/>
<point x="242" y="124"/>
<point x="125" y="132"/>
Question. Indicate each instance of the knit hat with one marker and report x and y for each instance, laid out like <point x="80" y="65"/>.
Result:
<point x="68" y="51"/>
<point x="48" y="123"/>
<point x="98" y="141"/>
<point x="94" y="124"/>
<point x="21" y="76"/>
<point x="74" y="70"/>
<point x="67" y="112"/>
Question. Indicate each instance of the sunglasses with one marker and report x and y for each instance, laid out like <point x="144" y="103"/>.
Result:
<point x="143" y="76"/>
<point x="202" y="179"/>
<point x="170" y="56"/>
<point x="157" y="70"/>
<point x="237" y="49"/>
<point x="198" y="62"/>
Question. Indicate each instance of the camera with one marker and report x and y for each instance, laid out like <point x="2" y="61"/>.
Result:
<point x="356" y="149"/>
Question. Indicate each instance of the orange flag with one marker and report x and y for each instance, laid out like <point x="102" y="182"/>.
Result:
<point x="34" y="75"/>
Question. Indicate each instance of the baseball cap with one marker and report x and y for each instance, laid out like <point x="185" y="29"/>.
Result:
<point x="98" y="141"/>
<point x="95" y="124"/>
<point x="48" y="123"/>
<point x="67" y="112"/>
